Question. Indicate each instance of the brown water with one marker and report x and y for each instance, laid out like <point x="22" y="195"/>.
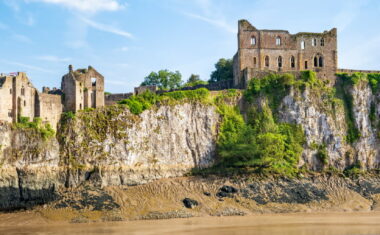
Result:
<point x="285" y="224"/>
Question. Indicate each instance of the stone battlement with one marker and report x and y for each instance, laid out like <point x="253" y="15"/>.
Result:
<point x="350" y="71"/>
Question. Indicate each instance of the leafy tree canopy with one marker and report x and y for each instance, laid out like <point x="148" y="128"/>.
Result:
<point x="164" y="79"/>
<point x="223" y="71"/>
<point x="194" y="80"/>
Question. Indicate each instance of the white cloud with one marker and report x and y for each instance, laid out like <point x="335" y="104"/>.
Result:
<point x="30" y="20"/>
<point x="12" y="4"/>
<point x="124" y="49"/>
<point x="362" y="56"/>
<point x="26" y="66"/>
<point x="21" y="38"/>
<point x="51" y="58"/>
<point x="205" y="5"/>
<point x="215" y="22"/>
<point x="92" y="6"/>
<point x="349" y="12"/>
<point x="123" y="65"/>
<point x="3" y="26"/>
<point x="107" y="28"/>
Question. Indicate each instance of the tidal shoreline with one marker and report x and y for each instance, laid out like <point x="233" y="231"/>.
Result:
<point x="290" y="223"/>
<point x="207" y="196"/>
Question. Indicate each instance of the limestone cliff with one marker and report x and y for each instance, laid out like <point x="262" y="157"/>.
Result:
<point x="326" y="125"/>
<point x="118" y="148"/>
<point x="111" y="146"/>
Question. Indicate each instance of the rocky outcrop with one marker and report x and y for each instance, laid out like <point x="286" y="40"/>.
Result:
<point x="164" y="142"/>
<point x="29" y="172"/>
<point x="325" y="125"/>
<point x="112" y="147"/>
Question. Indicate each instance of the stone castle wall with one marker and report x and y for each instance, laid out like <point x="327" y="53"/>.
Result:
<point x="82" y="88"/>
<point x="280" y="51"/>
<point x="20" y="99"/>
<point x="114" y="98"/>
<point x="50" y="108"/>
<point x="350" y="71"/>
<point x="6" y="101"/>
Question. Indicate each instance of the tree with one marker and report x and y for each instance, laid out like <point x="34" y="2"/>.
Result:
<point x="194" y="80"/>
<point x="164" y="79"/>
<point x="223" y="71"/>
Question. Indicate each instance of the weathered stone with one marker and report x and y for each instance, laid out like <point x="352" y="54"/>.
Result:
<point x="190" y="203"/>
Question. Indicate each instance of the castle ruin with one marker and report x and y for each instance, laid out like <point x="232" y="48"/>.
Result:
<point x="259" y="52"/>
<point x="82" y="88"/>
<point x="263" y="51"/>
<point x="20" y="99"/>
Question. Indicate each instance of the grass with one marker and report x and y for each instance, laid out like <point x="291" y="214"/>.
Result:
<point x="139" y="103"/>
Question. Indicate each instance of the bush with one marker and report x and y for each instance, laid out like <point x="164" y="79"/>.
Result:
<point x="322" y="155"/>
<point x="373" y="80"/>
<point x="44" y="130"/>
<point x="274" y="86"/>
<point x="261" y="144"/>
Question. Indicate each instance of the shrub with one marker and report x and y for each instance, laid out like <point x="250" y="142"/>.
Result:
<point x="373" y="80"/>
<point x="44" y="130"/>
<point x="261" y="144"/>
<point x="322" y="155"/>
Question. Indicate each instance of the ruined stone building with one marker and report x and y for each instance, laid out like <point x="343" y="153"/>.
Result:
<point x="82" y="88"/>
<point x="262" y="51"/>
<point x="20" y="99"/>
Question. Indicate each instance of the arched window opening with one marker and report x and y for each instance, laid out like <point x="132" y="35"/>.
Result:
<point x="253" y="40"/>
<point x="306" y="64"/>
<point x="292" y="62"/>
<point x="278" y="41"/>
<point x="10" y="91"/>
<point x="314" y="42"/>
<point x="302" y="45"/>
<point x="321" y="61"/>
<point x="93" y="81"/>
<point x="24" y="102"/>
<point x="322" y="42"/>
<point x="80" y="106"/>
<point x="266" y="61"/>
<point x="22" y="91"/>
<point x="280" y="62"/>
<point x="315" y="62"/>
<point x="254" y="60"/>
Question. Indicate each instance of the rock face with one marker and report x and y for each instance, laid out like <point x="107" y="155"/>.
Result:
<point x="326" y="126"/>
<point x="29" y="172"/>
<point x="165" y="142"/>
<point x="111" y="146"/>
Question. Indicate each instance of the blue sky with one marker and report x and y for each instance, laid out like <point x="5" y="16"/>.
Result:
<point x="127" y="39"/>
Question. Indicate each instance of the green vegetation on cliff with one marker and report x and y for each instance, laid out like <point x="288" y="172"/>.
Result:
<point x="45" y="130"/>
<point x="260" y="143"/>
<point x="345" y="83"/>
<point x="138" y="103"/>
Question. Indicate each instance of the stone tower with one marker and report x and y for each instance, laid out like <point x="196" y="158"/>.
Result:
<point x="82" y="88"/>
<point x="263" y="51"/>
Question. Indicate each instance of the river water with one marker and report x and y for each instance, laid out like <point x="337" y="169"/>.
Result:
<point x="284" y="224"/>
